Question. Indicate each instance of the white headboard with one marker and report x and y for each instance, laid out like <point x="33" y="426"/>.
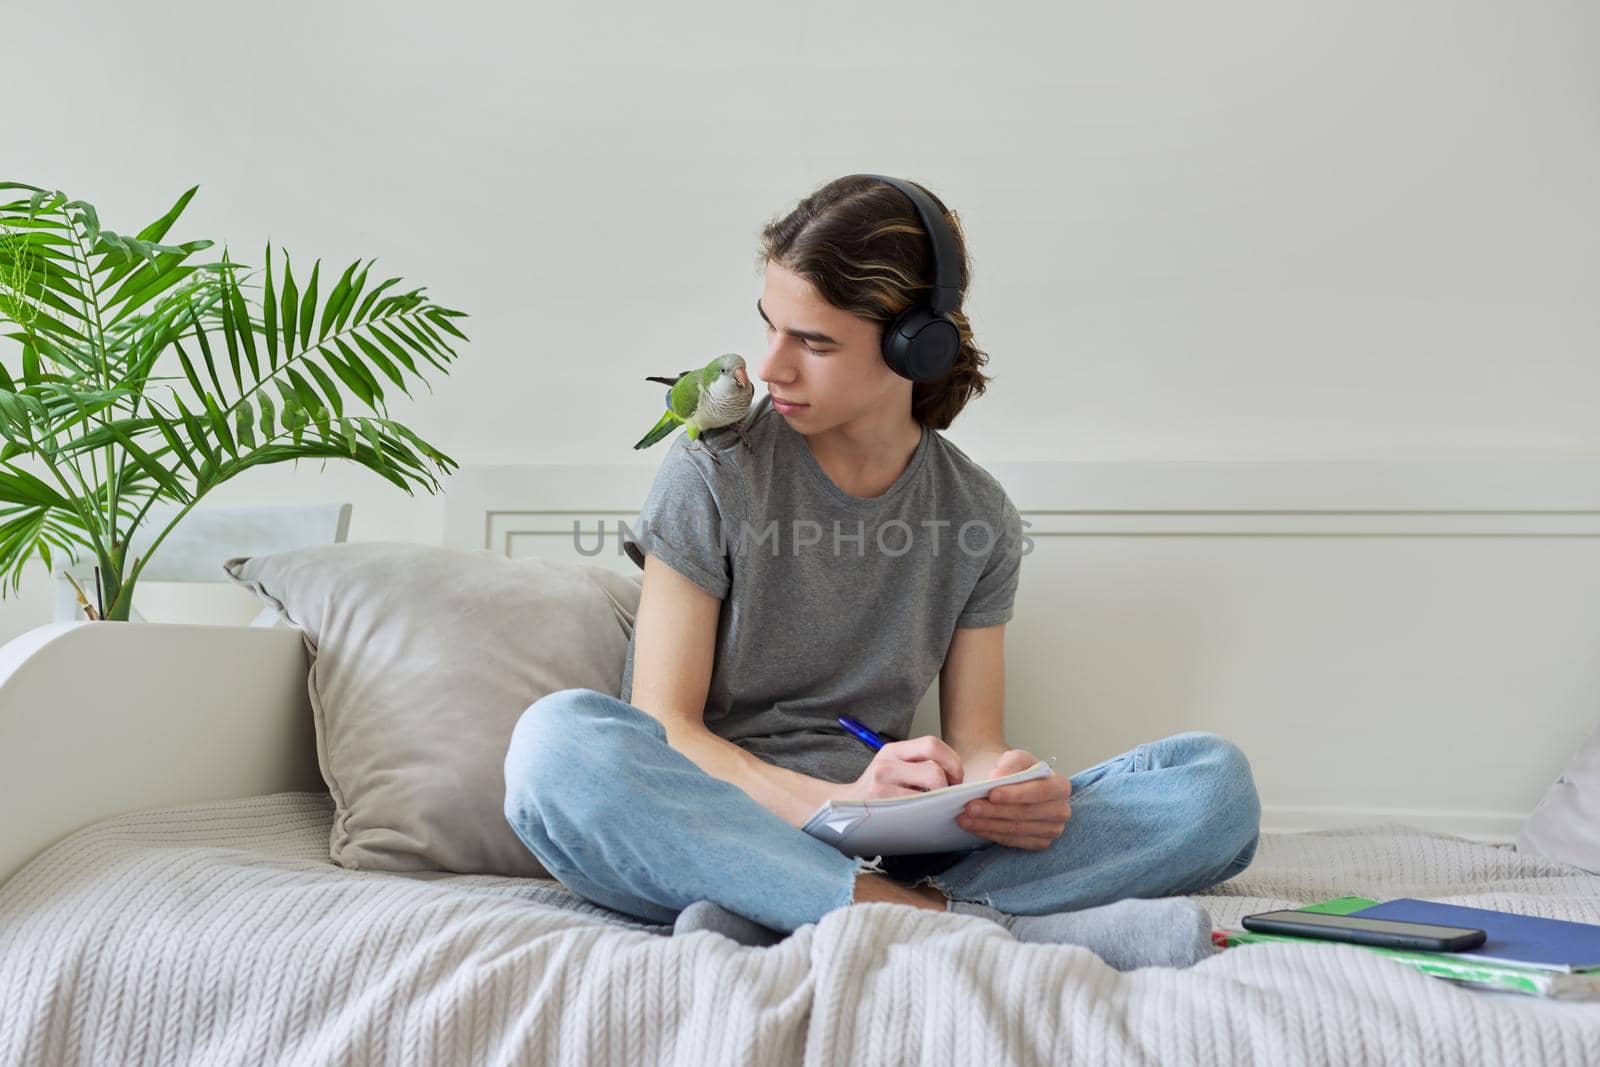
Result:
<point x="1387" y="641"/>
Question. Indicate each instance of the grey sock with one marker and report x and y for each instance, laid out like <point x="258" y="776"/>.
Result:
<point x="1170" y="932"/>
<point x="705" y="915"/>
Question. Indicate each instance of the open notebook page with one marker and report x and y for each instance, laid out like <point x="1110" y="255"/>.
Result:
<point x="894" y="826"/>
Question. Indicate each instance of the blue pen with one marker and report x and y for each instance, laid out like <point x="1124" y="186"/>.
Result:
<point x="866" y="736"/>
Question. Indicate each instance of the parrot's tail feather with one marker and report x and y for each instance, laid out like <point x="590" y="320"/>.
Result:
<point x="668" y="423"/>
<point x="666" y="381"/>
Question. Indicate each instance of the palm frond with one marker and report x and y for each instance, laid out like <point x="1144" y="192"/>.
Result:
<point x="269" y="369"/>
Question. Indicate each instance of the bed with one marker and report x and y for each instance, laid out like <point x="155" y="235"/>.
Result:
<point x="218" y="932"/>
<point x="170" y="900"/>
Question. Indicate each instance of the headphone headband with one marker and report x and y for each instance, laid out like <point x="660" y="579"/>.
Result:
<point x="946" y="295"/>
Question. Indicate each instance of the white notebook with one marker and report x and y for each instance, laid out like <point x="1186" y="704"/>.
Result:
<point x="894" y="826"/>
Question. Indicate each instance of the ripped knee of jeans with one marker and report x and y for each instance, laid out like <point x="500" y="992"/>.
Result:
<point x="985" y="899"/>
<point x="872" y="866"/>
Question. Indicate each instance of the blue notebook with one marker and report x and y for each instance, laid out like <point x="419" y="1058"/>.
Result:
<point x="1549" y="944"/>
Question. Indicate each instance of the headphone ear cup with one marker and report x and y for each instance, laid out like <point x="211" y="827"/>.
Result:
<point x="921" y="345"/>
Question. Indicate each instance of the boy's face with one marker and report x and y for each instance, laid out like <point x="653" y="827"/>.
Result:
<point x="836" y="371"/>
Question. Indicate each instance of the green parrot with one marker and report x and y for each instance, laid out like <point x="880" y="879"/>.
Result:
<point x="710" y="398"/>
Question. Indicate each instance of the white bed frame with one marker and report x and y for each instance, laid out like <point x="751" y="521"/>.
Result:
<point x="1411" y="642"/>
<point x="100" y="718"/>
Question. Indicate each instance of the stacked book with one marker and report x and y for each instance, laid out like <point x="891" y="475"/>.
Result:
<point x="1522" y="954"/>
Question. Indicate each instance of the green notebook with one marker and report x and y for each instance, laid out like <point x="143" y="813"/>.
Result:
<point x="1578" y="985"/>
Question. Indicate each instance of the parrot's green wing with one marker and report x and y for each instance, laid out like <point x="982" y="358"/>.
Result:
<point x="686" y="395"/>
<point x="683" y="400"/>
<point x="669" y="422"/>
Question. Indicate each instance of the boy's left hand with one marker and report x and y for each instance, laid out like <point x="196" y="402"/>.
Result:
<point x="1025" y="815"/>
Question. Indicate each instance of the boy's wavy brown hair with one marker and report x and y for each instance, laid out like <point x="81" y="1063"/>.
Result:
<point x="861" y="243"/>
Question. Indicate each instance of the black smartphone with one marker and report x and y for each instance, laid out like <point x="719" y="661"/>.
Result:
<point x="1386" y="933"/>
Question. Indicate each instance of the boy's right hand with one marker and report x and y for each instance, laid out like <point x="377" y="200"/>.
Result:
<point x="903" y="768"/>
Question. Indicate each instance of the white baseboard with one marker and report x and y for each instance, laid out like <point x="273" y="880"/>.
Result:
<point x="1491" y="827"/>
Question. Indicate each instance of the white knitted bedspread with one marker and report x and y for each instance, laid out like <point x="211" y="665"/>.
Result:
<point x="220" y="933"/>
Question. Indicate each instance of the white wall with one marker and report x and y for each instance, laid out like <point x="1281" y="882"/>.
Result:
<point x="1200" y="232"/>
<point x="1387" y="641"/>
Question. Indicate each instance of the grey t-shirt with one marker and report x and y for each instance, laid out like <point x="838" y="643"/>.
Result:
<point x="833" y="604"/>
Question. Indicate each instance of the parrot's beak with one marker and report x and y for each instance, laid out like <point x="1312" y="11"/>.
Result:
<point x="741" y="377"/>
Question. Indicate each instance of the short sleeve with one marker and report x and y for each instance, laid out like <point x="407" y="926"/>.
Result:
<point x="992" y="600"/>
<point x="683" y="523"/>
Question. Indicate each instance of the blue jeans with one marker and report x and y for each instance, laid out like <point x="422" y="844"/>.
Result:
<point x="625" y="820"/>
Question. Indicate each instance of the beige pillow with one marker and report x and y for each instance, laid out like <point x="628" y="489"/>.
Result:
<point x="422" y="660"/>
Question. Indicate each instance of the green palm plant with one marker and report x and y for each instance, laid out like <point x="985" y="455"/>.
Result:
<point x="94" y="310"/>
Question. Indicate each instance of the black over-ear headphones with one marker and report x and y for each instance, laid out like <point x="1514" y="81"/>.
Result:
<point x="922" y="341"/>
